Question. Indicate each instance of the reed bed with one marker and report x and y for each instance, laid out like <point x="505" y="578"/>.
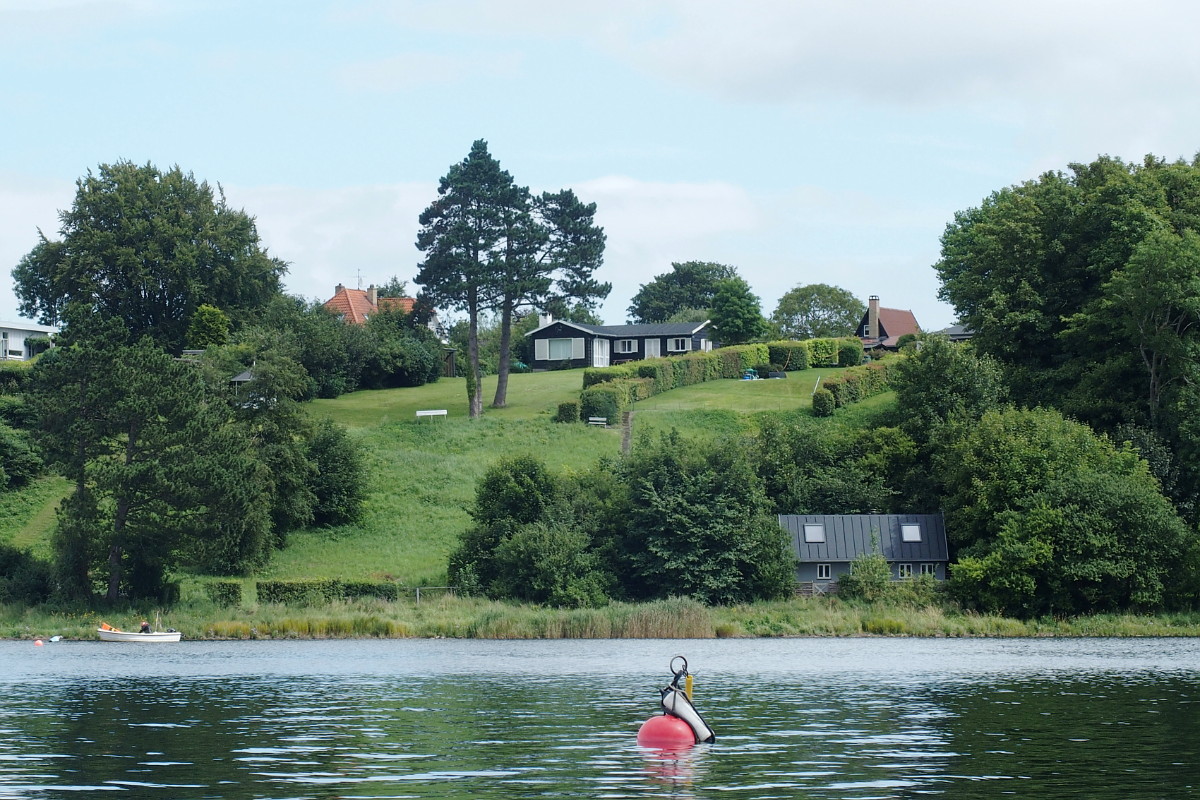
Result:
<point x="476" y="618"/>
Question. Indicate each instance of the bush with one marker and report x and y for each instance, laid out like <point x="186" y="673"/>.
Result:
<point x="299" y="592"/>
<point x="869" y="578"/>
<point x="16" y="412"/>
<point x="339" y="482"/>
<point x="568" y="412"/>
<point x="224" y="593"/>
<point x="823" y="403"/>
<point x="24" y="580"/>
<point x="792" y="356"/>
<point x="376" y="589"/>
<point x="850" y="352"/>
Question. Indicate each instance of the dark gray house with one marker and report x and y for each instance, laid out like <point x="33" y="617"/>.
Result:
<point x="557" y="343"/>
<point x="826" y="545"/>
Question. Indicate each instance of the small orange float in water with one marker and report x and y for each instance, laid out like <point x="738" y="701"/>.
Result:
<point x="665" y="731"/>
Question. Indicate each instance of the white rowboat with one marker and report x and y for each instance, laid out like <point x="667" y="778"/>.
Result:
<point x="132" y="636"/>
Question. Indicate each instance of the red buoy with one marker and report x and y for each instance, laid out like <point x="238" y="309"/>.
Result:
<point x="665" y="730"/>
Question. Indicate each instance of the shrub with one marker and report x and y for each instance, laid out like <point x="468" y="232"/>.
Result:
<point x="823" y="403"/>
<point x="24" y="580"/>
<point x="339" y="481"/>
<point x="791" y="356"/>
<point x="224" y="593"/>
<point x="850" y="352"/>
<point x="15" y="411"/>
<point x="379" y="589"/>
<point x="822" y="352"/>
<point x="568" y="412"/>
<point x="869" y="578"/>
<point x="299" y="592"/>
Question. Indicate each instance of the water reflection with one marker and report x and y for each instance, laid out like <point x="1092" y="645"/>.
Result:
<point x="852" y="719"/>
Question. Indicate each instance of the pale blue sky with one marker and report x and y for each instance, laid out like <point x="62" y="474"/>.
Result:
<point x="801" y="142"/>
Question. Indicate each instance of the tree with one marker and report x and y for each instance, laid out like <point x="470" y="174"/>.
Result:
<point x="209" y="326"/>
<point x="736" y="313"/>
<point x="549" y="264"/>
<point x="490" y="247"/>
<point x="696" y="522"/>
<point x="1049" y="518"/>
<point x="148" y="248"/>
<point x="158" y="469"/>
<point x="943" y="382"/>
<point x="817" y="311"/>
<point x="690" y="284"/>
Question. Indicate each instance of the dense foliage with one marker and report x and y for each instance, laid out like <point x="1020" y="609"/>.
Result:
<point x="689" y="285"/>
<point x="675" y="518"/>
<point x="148" y="248"/>
<point x="817" y="311"/>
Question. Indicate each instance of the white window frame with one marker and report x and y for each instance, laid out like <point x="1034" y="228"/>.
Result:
<point x="679" y="344"/>
<point x="625" y="346"/>
<point x="929" y="569"/>
<point x="814" y="533"/>
<point x="904" y="571"/>
<point x="910" y="532"/>
<point x="542" y="352"/>
<point x="653" y="348"/>
<point x="824" y="572"/>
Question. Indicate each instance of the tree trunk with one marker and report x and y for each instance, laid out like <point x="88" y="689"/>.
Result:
<point x="475" y="380"/>
<point x="501" y="398"/>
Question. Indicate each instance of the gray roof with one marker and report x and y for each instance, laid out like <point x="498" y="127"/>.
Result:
<point x="654" y="329"/>
<point x="849" y="535"/>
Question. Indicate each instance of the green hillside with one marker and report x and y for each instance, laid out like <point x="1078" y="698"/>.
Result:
<point x="423" y="472"/>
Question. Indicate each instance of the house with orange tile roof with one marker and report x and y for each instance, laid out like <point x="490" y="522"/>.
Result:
<point x="881" y="328"/>
<point x="357" y="305"/>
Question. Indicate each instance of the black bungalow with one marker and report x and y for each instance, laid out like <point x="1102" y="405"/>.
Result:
<point x="826" y="545"/>
<point x="558" y="344"/>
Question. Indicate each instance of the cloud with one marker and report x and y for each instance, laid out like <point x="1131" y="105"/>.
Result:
<point x="348" y="235"/>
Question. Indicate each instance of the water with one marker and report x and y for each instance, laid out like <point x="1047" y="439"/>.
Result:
<point x="796" y="718"/>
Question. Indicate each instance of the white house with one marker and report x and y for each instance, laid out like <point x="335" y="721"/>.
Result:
<point x="15" y="339"/>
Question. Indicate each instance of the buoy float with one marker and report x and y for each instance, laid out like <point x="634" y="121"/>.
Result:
<point x="680" y="725"/>
<point x="666" y="732"/>
<point x="38" y="643"/>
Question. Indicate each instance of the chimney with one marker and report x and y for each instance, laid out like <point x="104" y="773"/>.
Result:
<point x="339" y="289"/>
<point x="373" y="295"/>
<point x="545" y="319"/>
<point x="873" y="317"/>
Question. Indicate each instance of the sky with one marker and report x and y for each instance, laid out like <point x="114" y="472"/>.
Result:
<point x="800" y="142"/>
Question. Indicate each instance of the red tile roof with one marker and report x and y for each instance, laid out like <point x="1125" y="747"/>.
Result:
<point x="354" y="305"/>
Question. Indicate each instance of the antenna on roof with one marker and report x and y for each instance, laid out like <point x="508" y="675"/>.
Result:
<point x="358" y="274"/>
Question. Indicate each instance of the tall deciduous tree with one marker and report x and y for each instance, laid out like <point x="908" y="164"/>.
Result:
<point x="817" y="311"/>
<point x="690" y="284"/>
<point x="148" y="248"/>
<point x="736" y="313"/>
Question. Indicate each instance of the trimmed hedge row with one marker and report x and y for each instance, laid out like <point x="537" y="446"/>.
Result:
<point x="856" y="383"/>
<point x="607" y="391"/>
<point x="14" y="375"/>
<point x="317" y="592"/>
<point x="224" y="593"/>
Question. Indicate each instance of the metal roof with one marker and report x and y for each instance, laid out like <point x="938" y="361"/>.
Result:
<point x="619" y="331"/>
<point x="849" y="535"/>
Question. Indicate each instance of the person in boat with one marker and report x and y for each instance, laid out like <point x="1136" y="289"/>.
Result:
<point x="145" y="626"/>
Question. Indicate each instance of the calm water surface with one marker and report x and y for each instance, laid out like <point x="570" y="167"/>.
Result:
<point x="796" y="718"/>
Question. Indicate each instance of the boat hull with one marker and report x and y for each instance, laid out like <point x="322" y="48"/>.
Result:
<point x="143" y="638"/>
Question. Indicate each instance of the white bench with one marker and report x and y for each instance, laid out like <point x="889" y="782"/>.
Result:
<point x="601" y="421"/>
<point x="431" y="413"/>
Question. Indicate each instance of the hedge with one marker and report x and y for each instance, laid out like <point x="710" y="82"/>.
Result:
<point x="792" y="356"/>
<point x="14" y="375"/>
<point x="310" y="592"/>
<point x="858" y="383"/>
<point x="823" y="403"/>
<point x="568" y="412"/>
<point x="224" y="593"/>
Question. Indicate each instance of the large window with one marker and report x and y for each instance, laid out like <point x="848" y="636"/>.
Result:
<point x="627" y="345"/>
<point x="679" y="345"/>
<point x="910" y="532"/>
<point x="814" y="533"/>
<point x="904" y="570"/>
<point x="929" y="569"/>
<point x="559" y="349"/>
